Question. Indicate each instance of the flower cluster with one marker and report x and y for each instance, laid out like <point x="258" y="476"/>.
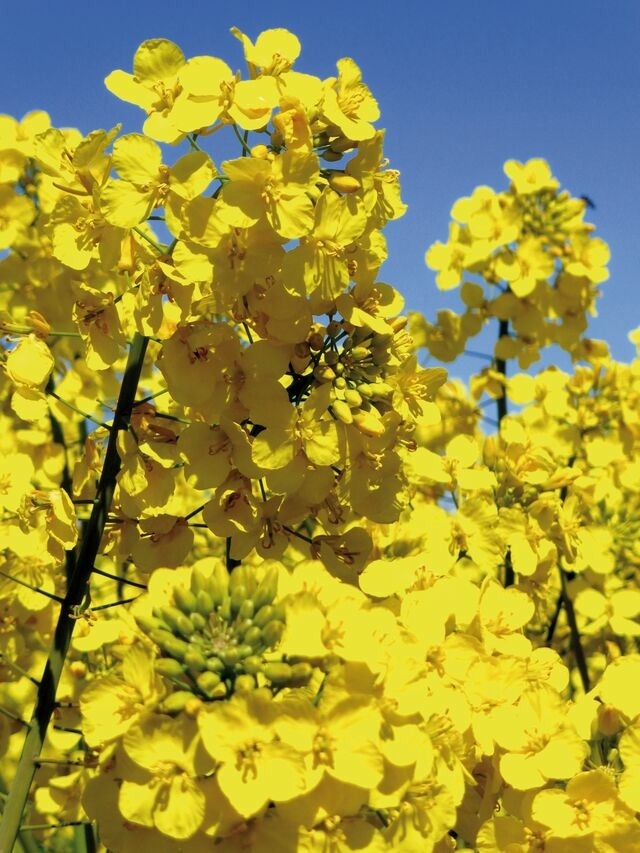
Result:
<point x="525" y="257"/>
<point x="266" y="582"/>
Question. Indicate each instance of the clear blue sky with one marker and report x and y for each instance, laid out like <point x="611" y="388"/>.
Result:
<point x="462" y="86"/>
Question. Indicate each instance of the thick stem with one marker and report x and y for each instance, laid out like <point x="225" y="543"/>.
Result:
<point x="45" y="702"/>
<point x="501" y="403"/>
<point x="576" y="645"/>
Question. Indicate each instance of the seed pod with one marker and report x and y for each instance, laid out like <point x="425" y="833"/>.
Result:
<point x="207" y="682"/>
<point x="267" y="588"/>
<point x="272" y="633"/>
<point x="169" y="667"/>
<point x="342" y="411"/>
<point x="277" y="672"/>
<point x="176" y="702"/>
<point x="185" y="600"/>
<point x="264" y="614"/>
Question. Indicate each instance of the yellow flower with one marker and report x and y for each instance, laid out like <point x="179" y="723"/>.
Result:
<point x="348" y="104"/>
<point x="111" y="704"/>
<point x="146" y="183"/>
<point x="152" y="86"/>
<point x="16" y="473"/>
<point x="274" y="188"/>
<point x="80" y="234"/>
<point x="99" y="325"/>
<point x="530" y="177"/>
<point x="454" y="469"/>
<point x="16" y="142"/>
<point x="340" y="741"/>
<point x="503" y="613"/>
<point x="539" y="742"/>
<point x="30" y="362"/>
<point x="449" y="259"/>
<point x="590" y="806"/>
<point x="253" y="767"/>
<point x="629" y="781"/>
<point x="16" y="214"/>
<point x="169" y="795"/>
<point x="309" y="431"/>
<point x="524" y="267"/>
<point x="209" y="90"/>
<point x="318" y="267"/>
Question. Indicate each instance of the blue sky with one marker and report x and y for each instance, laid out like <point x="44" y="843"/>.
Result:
<point x="462" y="87"/>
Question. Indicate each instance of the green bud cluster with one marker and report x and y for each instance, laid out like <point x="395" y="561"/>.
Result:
<point x="214" y="635"/>
<point x="357" y="369"/>
<point x="550" y="214"/>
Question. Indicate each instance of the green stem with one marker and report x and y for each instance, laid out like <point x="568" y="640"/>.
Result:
<point x="45" y="703"/>
<point x="501" y="403"/>
<point x="576" y="645"/>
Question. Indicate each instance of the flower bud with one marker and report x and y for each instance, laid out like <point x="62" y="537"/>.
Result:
<point x="342" y="183"/>
<point x="342" y="411"/>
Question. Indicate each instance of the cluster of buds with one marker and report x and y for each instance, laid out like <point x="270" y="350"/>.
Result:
<point x="217" y="637"/>
<point x="552" y="215"/>
<point x="357" y="362"/>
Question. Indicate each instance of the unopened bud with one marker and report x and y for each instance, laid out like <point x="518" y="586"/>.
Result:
<point x="331" y="156"/>
<point x="368" y="424"/>
<point x="342" y="183"/>
<point x="342" y="411"/>
<point x="323" y="373"/>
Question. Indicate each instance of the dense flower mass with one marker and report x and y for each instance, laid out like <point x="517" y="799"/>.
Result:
<point x="266" y="582"/>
